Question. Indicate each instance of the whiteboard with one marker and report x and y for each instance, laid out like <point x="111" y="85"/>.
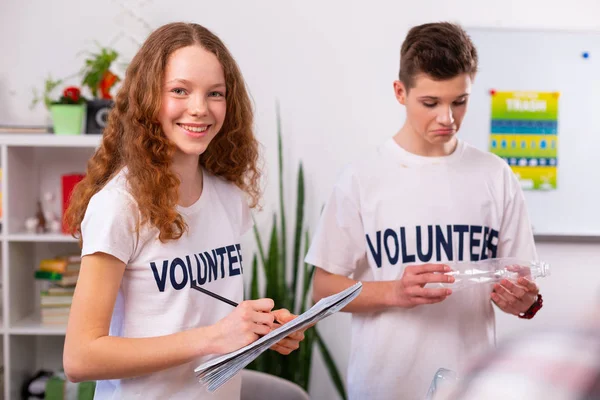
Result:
<point x="548" y="61"/>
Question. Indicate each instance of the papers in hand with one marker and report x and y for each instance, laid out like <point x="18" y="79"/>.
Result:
<point x="216" y="372"/>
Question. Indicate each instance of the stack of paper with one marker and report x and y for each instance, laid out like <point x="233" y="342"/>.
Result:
<point x="216" y="372"/>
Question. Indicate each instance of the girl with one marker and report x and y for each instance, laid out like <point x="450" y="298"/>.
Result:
<point x="162" y="209"/>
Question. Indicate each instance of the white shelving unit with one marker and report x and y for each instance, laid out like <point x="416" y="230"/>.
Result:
<point x="32" y="164"/>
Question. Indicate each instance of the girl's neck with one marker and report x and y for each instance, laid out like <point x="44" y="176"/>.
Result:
<point x="187" y="169"/>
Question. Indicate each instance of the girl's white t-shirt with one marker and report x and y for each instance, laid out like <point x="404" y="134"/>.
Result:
<point x="155" y="297"/>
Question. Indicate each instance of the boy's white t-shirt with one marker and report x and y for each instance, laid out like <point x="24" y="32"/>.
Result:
<point x="155" y="297"/>
<point x="396" y="209"/>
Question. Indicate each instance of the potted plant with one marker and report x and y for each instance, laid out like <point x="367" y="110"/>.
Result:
<point x="289" y="286"/>
<point x="49" y="86"/>
<point x="68" y="112"/>
<point x="99" y="79"/>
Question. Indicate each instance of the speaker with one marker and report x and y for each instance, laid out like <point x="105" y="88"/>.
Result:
<point x="97" y="115"/>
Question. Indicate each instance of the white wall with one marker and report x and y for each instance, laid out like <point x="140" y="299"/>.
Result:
<point x="330" y="64"/>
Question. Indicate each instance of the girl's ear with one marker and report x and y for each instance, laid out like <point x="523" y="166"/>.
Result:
<point x="400" y="92"/>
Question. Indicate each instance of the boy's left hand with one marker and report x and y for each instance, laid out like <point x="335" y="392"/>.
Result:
<point x="290" y="343"/>
<point x="515" y="298"/>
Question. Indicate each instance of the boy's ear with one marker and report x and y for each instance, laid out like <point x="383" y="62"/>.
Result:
<point x="400" y="92"/>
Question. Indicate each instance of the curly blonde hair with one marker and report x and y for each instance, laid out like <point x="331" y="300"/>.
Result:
<point x="133" y="137"/>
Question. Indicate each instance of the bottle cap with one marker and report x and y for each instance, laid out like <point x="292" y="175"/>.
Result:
<point x="542" y="267"/>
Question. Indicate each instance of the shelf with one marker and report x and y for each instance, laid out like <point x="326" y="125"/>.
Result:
<point x="40" y="237"/>
<point x="32" y="165"/>
<point x="50" y="140"/>
<point x="569" y="237"/>
<point x="32" y="325"/>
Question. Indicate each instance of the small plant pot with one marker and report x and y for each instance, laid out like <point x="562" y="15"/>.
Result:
<point x="67" y="119"/>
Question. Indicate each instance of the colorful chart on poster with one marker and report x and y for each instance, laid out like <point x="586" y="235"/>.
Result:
<point x="524" y="132"/>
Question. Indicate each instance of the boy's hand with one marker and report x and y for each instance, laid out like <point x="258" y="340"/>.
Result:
<point x="410" y="289"/>
<point x="515" y="298"/>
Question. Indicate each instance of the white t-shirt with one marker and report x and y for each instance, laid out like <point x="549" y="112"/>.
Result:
<point x="155" y="297"/>
<point x="396" y="209"/>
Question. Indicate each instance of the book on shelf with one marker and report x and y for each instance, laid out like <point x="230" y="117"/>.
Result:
<point x="68" y="279"/>
<point x="56" y="315"/>
<point x="55" y="300"/>
<point x="55" y="304"/>
<point x="60" y="321"/>
<point x="5" y="128"/>
<point x="58" y="290"/>
<point x="55" y="311"/>
<point x="60" y="265"/>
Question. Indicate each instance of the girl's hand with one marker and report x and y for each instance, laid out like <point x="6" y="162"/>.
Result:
<point x="292" y="342"/>
<point x="248" y="321"/>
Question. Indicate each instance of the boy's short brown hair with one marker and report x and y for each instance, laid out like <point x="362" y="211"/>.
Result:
<point x="441" y="50"/>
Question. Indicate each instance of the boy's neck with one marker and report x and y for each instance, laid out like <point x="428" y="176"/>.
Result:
<point x="189" y="173"/>
<point x="412" y="142"/>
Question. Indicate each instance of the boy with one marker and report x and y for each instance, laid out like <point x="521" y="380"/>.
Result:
<point x="393" y="219"/>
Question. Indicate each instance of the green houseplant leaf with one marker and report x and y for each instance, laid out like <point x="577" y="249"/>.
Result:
<point x="294" y="295"/>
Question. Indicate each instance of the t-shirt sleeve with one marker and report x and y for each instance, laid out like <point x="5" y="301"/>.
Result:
<point x="109" y="225"/>
<point x="246" y="220"/>
<point x="338" y="245"/>
<point x="235" y="203"/>
<point x="516" y="235"/>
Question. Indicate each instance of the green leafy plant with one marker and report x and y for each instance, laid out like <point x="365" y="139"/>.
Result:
<point x="289" y="288"/>
<point x="97" y="75"/>
<point x="70" y="94"/>
<point x="50" y="85"/>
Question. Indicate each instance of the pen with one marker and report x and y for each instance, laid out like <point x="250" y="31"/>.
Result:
<point x="218" y="297"/>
